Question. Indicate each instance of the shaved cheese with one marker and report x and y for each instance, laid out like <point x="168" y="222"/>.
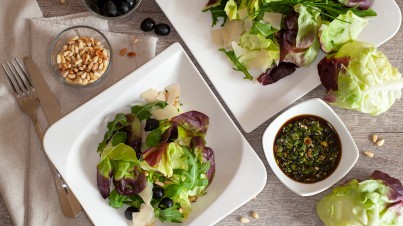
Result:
<point x="274" y="19"/>
<point x="147" y="193"/>
<point x="145" y="217"/>
<point x="161" y="96"/>
<point x="217" y="37"/>
<point x="149" y="95"/>
<point x="173" y="93"/>
<point x="247" y="21"/>
<point x="239" y="51"/>
<point x="165" y="113"/>
<point x="234" y="29"/>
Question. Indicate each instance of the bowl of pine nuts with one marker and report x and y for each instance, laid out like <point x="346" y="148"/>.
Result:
<point x="80" y="56"/>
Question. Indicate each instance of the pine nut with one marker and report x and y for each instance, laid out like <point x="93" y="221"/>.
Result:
<point x="71" y="76"/>
<point x="95" y="67"/>
<point x="380" y="142"/>
<point x="374" y="138"/>
<point x="59" y="58"/>
<point x="123" y="51"/>
<point x="74" y="38"/>
<point x="131" y="54"/>
<point x="369" y="154"/>
<point x="244" y="220"/>
<point x="95" y="59"/>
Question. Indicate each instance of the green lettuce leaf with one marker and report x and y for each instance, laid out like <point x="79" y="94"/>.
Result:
<point x="345" y="28"/>
<point x="164" y="158"/>
<point x="309" y="21"/>
<point x="360" y="77"/>
<point x="376" y="201"/>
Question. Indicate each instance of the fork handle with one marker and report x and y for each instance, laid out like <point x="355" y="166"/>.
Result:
<point x="70" y="206"/>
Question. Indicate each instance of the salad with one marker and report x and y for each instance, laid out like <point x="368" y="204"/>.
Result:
<point x="270" y="39"/>
<point x="154" y="160"/>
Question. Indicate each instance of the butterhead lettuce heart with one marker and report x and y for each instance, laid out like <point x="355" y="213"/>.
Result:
<point x="360" y="77"/>
<point x="376" y="201"/>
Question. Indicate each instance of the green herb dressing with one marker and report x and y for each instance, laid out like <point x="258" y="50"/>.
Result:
<point x="307" y="149"/>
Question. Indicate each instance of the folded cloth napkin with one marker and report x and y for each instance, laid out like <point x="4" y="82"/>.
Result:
<point x="26" y="183"/>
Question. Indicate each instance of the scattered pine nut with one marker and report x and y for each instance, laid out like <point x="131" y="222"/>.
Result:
<point x="369" y="154"/>
<point x="255" y="215"/>
<point x="62" y="1"/>
<point x="135" y="41"/>
<point x="244" y="220"/>
<point x="123" y="51"/>
<point x="159" y="183"/>
<point x="374" y="138"/>
<point x="380" y="142"/>
<point x="131" y="54"/>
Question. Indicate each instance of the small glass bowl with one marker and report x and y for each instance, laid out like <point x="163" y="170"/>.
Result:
<point x="96" y="10"/>
<point x="57" y="58"/>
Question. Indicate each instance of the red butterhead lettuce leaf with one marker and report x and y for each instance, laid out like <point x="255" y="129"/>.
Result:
<point x="193" y="121"/>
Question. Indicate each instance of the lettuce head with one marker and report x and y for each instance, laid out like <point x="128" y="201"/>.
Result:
<point x="376" y="201"/>
<point x="360" y="77"/>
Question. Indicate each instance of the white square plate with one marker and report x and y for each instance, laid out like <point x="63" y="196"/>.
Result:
<point x="71" y="143"/>
<point x="250" y="102"/>
<point x="349" y="152"/>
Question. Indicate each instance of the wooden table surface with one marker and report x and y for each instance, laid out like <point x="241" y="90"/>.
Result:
<point x="276" y="205"/>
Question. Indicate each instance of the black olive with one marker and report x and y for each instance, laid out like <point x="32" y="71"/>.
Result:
<point x="147" y="24"/>
<point x="131" y="3"/>
<point x="123" y="7"/>
<point x="166" y="203"/>
<point x="151" y="124"/>
<point x="110" y="9"/>
<point x="162" y="29"/>
<point x="158" y="192"/>
<point x="129" y="212"/>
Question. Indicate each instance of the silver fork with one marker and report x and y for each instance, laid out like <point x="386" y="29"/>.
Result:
<point x="28" y="102"/>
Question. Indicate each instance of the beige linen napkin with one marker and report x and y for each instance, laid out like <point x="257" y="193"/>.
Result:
<point x="14" y="125"/>
<point x="26" y="183"/>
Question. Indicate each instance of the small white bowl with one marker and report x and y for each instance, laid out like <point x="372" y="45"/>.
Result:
<point x="349" y="150"/>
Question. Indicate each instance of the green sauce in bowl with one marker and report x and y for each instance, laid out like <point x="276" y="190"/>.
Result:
<point x="307" y="149"/>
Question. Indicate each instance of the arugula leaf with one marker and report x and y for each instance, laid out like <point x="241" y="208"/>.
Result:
<point x="238" y="65"/>
<point x="119" y="137"/>
<point x="113" y="126"/>
<point x="117" y="200"/>
<point x="170" y="214"/>
<point x="144" y="111"/>
<point x="261" y="28"/>
<point x="195" y="175"/>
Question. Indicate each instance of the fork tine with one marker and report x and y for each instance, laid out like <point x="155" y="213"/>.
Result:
<point x="20" y="78"/>
<point x="9" y="79"/>
<point x="27" y="78"/>
<point x="13" y="74"/>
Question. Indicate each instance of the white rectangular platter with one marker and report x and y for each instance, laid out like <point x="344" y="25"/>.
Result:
<point x="71" y="143"/>
<point x="251" y="103"/>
